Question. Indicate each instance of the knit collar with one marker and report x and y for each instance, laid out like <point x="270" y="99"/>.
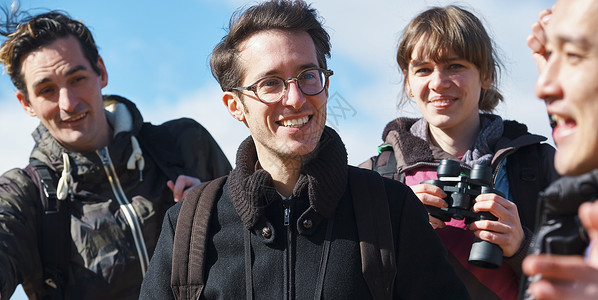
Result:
<point x="323" y="179"/>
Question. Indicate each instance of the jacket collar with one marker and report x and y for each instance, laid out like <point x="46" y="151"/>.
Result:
<point x="323" y="180"/>
<point x="49" y="151"/>
<point x="410" y="150"/>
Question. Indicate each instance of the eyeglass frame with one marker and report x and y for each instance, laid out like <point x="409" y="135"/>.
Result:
<point x="252" y="87"/>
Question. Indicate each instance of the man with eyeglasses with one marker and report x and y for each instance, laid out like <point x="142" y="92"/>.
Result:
<point x="293" y="220"/>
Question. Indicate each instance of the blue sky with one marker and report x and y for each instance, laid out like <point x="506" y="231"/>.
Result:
<point x="157" y="55"/>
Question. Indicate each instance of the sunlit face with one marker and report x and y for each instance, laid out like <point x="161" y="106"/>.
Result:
<point x="65" y="94"/>
<point x="290" y="128"/>
<point x="447" y="93"/>
<point x="568" y="84"/>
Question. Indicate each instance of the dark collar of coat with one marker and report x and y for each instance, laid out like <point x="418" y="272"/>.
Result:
<point x="323" y="179"/>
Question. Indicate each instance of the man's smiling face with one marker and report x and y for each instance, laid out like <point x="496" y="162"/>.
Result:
<point x="568" y="85"/>
<point x="64" y="92"/>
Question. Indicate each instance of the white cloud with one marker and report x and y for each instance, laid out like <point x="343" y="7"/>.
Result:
<point x="363" y="35"/>
<point x="15" y="131"/>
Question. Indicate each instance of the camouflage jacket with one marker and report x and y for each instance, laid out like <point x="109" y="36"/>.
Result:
<point x="115" y="212"/>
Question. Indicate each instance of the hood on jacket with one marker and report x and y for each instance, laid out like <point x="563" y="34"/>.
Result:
<point x="122" y="115"/>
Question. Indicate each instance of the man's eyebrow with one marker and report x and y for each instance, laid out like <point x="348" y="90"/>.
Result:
<point x="76" y="69"/>
<point x="299" y="69"/>
<point x="577" y="40"/>
<point x="581" y="42"/>
<point x="40" y="82"/>
<point x="71" y="71"/>
<point x="308" y="66"/>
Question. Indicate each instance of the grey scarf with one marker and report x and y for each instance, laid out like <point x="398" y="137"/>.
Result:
<point x="481" y="151"/>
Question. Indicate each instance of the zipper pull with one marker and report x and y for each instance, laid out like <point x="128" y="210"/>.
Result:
<point x="104" y="156"/>
<point x="287" y="216"/>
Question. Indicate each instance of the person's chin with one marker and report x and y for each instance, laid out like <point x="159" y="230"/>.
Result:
<point x="300" y="148"/>
<point x="572" y="163"/>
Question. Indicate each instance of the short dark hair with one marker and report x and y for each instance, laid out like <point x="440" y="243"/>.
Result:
<point x="453" y="28"/>
<point x="31" y="33"/>
<point x="284" y="15"/>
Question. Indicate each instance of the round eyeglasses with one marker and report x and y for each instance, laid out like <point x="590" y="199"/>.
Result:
<point x="272" y="89"/>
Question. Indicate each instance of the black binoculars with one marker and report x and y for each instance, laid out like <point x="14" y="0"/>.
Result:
<point x="460" y="192"/>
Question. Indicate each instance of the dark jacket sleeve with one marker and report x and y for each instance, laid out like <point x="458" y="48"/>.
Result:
<point x="185" y="147"/>
<point x="547" y="153"/>
<point x="156" y="283"/>
<point x="423" y="269"/>
<point x="200" y="151"/>
<point x="19" y="224"/>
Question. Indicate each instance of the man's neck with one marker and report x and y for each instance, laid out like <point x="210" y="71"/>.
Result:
<point x="284" y="171"/>
<point x="101" y="141"/>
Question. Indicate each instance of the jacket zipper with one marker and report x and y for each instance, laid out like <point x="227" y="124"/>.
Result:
<point x="287" y="204"/>
<point x="126" y="208"/>
<point x="500" y="161"/>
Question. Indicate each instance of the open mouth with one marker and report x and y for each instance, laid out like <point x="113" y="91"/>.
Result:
<point x="563" y="128"/>
<point x="75" y="118"/>
<point x="294" y="123"/>
<point x="561" y="121"/>
<point x="552" y="121"/>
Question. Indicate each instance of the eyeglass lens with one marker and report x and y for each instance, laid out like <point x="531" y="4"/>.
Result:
<point x="310" y="82"/>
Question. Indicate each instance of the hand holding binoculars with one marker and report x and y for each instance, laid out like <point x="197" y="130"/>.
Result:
<point x="461" y="191"/>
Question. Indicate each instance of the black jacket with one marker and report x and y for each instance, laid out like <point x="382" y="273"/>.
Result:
<point x="286" y="259"/>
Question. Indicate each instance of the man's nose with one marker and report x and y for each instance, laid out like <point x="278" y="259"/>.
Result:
<point x="294" y="96"/>
<point x="67" y="100"/>
<point x="548" y="86"/>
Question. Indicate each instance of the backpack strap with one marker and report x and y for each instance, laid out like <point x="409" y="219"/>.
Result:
<point x="373" y="224"/>
<point x="529" y="170"/>
<point x="187" y="279"/>
<point x="54" y="234"/>
<point x="386" y="162"/>
<point x="374" y="228"/>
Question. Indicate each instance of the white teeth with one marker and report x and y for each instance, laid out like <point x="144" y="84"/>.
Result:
<point x="295" y="122"/>
<point x="554" y="118"/>
<point x="79" y="117"/>
<point x="443" y="101"/>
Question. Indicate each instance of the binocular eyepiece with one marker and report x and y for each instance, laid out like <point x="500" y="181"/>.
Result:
<point x="461" y="191"/>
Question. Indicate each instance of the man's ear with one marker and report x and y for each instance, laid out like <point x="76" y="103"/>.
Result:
<point x="103" y="72"/>
<point x="25" y="104"/>
<point x="234" y="106"/>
